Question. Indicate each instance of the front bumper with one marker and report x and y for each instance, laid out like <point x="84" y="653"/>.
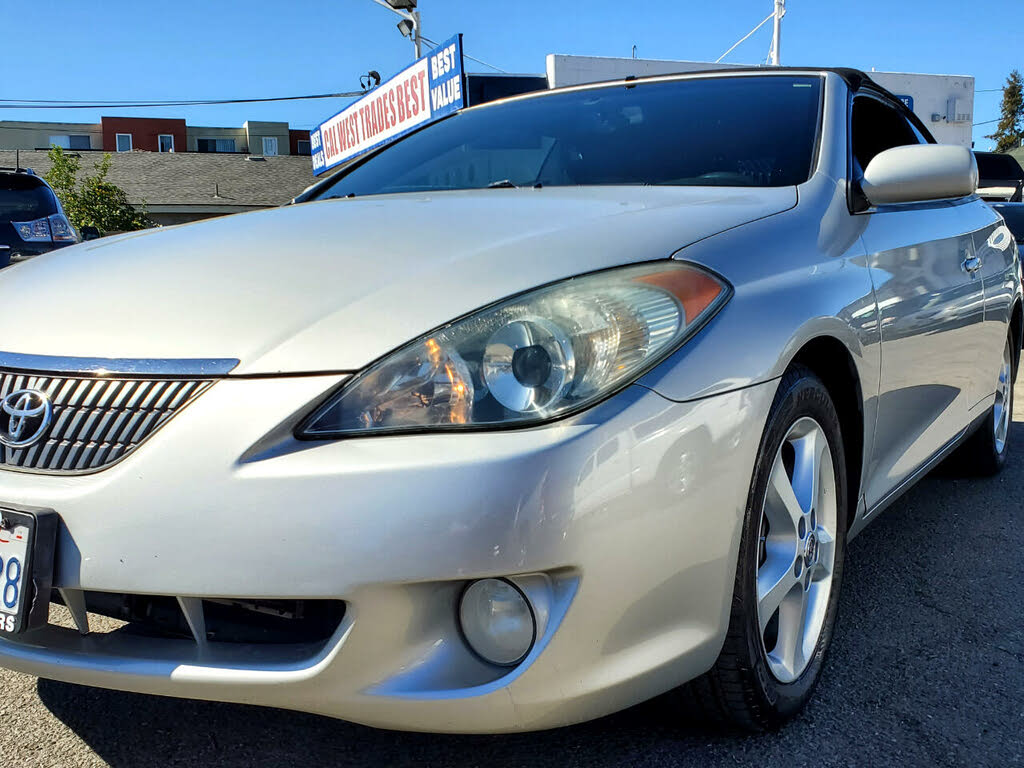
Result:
<point x="623" y="522"/>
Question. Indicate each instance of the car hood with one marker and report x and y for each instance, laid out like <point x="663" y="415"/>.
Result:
<point x="332" y="285"/>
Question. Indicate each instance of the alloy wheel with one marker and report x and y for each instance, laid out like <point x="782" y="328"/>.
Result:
<point x="796" y="552"/>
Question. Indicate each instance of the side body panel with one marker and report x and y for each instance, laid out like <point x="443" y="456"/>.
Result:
<point x="930" y="311"/>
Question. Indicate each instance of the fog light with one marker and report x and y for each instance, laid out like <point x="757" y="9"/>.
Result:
<point x="497" y="621"/>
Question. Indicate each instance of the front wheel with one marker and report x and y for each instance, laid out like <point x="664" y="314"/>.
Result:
<point x="790" y="566"/>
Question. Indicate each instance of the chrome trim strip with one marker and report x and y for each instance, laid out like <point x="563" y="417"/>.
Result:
<point x="203" y="368"/>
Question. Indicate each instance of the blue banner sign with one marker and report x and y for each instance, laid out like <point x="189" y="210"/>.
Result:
<point x="908" y="101"/>
<point x="427" y="90"/>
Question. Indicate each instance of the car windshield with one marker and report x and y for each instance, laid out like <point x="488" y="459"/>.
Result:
<point x="23" y="198"/>
<point x="748" y="131"/>
<point x="992" y="166"/>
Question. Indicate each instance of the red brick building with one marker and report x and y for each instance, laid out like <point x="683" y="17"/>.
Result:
<point x="153" y="134"/>
<point x="298" y="141"/>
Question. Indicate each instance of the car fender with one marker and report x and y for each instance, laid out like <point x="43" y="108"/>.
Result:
<point x="795" y="277"/>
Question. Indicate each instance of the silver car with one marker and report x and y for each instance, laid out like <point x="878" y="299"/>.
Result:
<point x="556" y="405"/>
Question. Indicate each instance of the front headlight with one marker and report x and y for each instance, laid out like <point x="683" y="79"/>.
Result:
<point x="532" y="358"/>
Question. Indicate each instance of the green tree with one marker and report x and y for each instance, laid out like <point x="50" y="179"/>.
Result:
<point x="1009" y="134"/>
<point x="93" y="201"/>
<point x="62" y="177"/>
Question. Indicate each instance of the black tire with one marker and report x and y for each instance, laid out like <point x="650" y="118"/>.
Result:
<point x="982" y="454"/>
<point x="740" y="690"/>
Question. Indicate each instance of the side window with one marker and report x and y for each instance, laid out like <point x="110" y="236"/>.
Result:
<point x="876" y="127"/>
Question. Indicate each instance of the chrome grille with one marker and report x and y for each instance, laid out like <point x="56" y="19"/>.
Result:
<point x="96" y="421"/>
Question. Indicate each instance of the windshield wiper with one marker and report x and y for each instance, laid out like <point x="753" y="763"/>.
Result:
<point x="507" y="184"/>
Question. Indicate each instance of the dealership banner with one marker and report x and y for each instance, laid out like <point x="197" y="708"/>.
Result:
<point x="427" y="90"/>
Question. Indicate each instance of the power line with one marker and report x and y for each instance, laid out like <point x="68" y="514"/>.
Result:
<point x="158" y="103"/>
<point x="481" y="61"/>
<point x="736" y="44"/>
<point x="986" y="122"/>
<point x="478" y="61"/>
<point x="98" y="104"/>
<point x="155" y="103"/>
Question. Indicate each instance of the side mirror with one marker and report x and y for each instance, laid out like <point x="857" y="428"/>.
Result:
<point x="90" y="233"/>
<point x="920" y="172"/>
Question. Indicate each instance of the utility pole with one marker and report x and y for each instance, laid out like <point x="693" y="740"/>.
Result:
<point x="780" y="11"/>
<point x="409" y="26"/>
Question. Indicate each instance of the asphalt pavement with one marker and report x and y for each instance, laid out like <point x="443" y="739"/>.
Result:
<point x="927" y="668"/>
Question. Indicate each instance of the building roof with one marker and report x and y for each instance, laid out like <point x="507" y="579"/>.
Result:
<point x="203" y="180"/>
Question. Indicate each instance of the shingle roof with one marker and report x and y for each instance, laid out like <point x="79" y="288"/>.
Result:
<point x="192" y="178"/>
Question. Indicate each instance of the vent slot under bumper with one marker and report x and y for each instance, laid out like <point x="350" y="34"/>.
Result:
<point x="208" y="621"/>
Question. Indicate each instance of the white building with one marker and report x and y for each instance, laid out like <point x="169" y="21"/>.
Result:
<point x="944" y="103"/>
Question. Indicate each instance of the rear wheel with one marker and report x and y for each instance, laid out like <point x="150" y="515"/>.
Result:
<point x="790" y="565"/>
<point x="986" y="451"/>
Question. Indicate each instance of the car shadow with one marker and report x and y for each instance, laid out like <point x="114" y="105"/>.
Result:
<point x="926" y="664"/>
<point x="127" y="729"/>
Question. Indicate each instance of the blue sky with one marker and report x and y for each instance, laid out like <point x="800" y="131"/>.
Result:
<point x="230" y="49"/>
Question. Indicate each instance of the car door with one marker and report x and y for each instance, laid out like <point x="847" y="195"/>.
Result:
<point x="930" y="307"/>
<point x="994" y="250"/>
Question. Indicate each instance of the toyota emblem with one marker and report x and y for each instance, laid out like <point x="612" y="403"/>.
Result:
<point x="25" y="415"/>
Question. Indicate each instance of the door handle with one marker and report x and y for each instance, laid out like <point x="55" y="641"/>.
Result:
<point x="971" y="264"/>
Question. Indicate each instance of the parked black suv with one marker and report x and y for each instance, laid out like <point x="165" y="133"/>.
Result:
<point x="31" y="218"/>
<point x="1013" y="215"/>
<point x="1000" y="177"/>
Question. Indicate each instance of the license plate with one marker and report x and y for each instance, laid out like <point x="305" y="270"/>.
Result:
<point x="26" y="568"/>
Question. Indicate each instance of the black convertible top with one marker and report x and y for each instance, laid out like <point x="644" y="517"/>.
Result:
<point x="854" y="78"/>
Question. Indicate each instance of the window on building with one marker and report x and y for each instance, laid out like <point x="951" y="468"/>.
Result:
<point x="302" y="147"/>
<point x="70" y="142"/>
<point x="124" y="142"/>
<point x="165" y="142"/>
<point x="215" y="145"/>
<point x="269" y="146"/>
